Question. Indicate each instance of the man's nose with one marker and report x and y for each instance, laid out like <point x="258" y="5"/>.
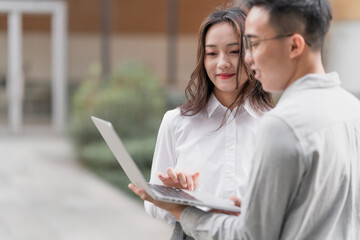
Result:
<point x="248" y="57"/>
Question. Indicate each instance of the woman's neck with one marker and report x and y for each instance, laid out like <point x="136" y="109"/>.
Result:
<point x="226" y="99"/>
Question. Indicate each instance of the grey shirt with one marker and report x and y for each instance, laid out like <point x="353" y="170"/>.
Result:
<point x="305" y="181"/>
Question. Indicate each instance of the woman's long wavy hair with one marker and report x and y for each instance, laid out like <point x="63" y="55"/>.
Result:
<point x="200" y="87"/>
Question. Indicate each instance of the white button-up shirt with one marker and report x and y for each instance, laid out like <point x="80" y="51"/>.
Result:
<point x="221" y="155"/>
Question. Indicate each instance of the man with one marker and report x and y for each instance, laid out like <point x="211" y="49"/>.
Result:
<point x="305" y="182"/>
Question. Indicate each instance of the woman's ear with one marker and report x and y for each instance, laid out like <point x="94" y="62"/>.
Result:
<point x="297" y="45"/>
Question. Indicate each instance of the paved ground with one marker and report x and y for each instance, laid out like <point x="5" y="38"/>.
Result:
<point x="45" y="195"/>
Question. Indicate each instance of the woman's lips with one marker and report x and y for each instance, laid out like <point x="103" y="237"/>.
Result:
<point x="225" y="75"/>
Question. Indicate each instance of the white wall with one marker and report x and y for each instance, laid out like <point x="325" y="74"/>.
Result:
<point x="342" y="53"/>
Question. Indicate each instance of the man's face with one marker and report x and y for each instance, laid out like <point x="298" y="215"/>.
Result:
<point x="270" y="58"/>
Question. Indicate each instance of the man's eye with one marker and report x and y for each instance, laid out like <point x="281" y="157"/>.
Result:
<point x="235" y="52"/>
<point x="254" y="44"/>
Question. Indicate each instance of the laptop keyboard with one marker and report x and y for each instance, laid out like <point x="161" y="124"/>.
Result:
<point x="172" y="192"/>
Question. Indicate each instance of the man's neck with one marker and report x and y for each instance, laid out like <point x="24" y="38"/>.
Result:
<point x="309" y="63"/>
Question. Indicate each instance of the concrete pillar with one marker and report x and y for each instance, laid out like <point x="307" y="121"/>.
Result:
<point x="15" y="82"/>
<point x="59" y="67"/>
<point x="58" y="10"/>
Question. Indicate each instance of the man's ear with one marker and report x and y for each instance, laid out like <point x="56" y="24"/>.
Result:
<point x="297" y="45"/>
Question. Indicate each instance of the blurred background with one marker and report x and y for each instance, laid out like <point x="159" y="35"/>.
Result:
<point x="62" y="61"/>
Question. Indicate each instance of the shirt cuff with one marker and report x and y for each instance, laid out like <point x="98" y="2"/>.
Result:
<point x="189" y="218"/>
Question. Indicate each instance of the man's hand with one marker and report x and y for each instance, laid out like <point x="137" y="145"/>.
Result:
<point x="237" y="202"/>
<point x="173" y="208"/>
<point x="180" y="178"/>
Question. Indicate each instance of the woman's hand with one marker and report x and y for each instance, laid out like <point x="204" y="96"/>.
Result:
<point x="180" y="178"/>
<point x="173" y="208"/>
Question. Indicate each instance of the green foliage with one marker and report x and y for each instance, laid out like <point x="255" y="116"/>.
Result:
<point x="98" y="154"/>
<point x="133" y="100"/>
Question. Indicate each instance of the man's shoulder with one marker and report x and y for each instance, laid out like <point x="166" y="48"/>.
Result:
<point x="274" y="123"/>
<point x="307" y="112"/>
<point x="277" y="141"/>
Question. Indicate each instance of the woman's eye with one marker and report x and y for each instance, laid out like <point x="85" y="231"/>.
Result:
<point x="235" y="52"/>
<point x="210" y="54"/>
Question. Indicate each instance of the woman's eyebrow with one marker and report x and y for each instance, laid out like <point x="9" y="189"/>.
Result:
<point x="230" y="44"/>
<point x="210" y="45"/>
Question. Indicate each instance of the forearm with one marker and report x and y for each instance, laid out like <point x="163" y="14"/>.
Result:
<point x="205" y="225"/>
<point x="158" y="213"/>
<point x="177" y="212"/>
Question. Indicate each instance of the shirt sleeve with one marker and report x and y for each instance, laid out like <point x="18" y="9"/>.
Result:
<point x="273" y="184"/>
<point x="164" y="157"/>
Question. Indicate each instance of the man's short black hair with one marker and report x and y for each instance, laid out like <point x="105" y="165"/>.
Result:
<point x="310" y="18"/>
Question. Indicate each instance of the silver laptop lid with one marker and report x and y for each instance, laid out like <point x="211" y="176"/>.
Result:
<point x="113" y="141"/>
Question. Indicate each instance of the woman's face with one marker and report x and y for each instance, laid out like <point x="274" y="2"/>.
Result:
<point x="221" y="59"/>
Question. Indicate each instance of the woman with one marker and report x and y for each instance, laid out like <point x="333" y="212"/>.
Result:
<point x="207" y="143"/>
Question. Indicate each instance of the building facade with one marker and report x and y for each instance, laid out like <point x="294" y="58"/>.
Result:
<point x="162" y="34"/>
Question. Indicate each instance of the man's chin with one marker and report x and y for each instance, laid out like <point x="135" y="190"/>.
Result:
<point x="257" y="76"/>
<point x="271" y="89"/>
<point x="268" y="88"/>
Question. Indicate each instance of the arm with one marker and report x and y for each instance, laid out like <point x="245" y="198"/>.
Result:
<point x="164" y="157"/>
<point x="273" y="184"/>
<point x="173" y="208"/>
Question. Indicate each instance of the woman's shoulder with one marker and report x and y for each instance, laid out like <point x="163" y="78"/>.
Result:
<point x="173" y="114"/>
<point x="176" y="118"/>
<point x="171" y="117"/>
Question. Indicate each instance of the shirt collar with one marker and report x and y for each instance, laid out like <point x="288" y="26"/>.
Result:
<point x="214" y="104"/>
<point x="250" y="110"/>
<point x="311" y="81"/>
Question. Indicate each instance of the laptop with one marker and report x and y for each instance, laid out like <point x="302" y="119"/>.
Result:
<point x="158" y="192"/>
